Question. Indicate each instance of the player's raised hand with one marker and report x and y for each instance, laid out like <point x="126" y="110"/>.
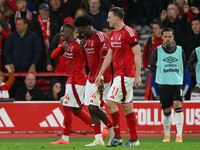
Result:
<point x="65" y="46"/>
<point x="82" y="43"/>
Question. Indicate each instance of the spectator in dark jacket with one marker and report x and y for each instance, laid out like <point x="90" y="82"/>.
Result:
<point x="55" y="92"/>
<point x="98" y="15"/>
<point x="29" y="92"/>
<point x="58" y="13"/>
<point x="170" y="19"/>
<point x="23" y="48"/>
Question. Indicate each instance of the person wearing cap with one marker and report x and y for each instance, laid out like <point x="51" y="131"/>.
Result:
<point x="42" y="26"/>
<point x="21" y="12"/>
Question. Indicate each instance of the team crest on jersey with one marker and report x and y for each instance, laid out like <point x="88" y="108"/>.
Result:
<point x="111" y="38"/>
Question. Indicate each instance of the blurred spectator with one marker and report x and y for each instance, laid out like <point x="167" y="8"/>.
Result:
<point x="180" y="26"/>
<point x="187" y="82"/>
<point x="143" y="9"/>
<point x="5" y="87"/>
<point x="32" y="5"/>
<point x="6" y="11"/>
<point x="4" y="32"/>
<point x="30" y="91"/>
<point x="79" y="12"/>
<point x="22" y="51"/>
<point x="58" y="13"/>
<point x="21" y="12"/>
<point x="107" y="29"/>
<point x="55" y="91"/>
<point x="42" y="26"/>
<point x="193" y="38"/>
<point x="78" y="4"/>
<point x="194" y="64"/>
<point x="23" y="48"/>
<point x="98" y="15"/>
<point x="151" y="43"/>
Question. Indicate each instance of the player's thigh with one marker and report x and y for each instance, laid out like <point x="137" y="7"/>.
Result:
<point x="165" y="97"/>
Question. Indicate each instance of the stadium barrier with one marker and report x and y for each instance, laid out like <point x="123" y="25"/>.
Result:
<point x="48" y="116"/>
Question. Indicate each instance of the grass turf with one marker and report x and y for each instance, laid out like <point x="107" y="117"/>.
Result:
<point x="77" y="143"/>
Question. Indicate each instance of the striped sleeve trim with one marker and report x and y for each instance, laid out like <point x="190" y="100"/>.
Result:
<point x="131" y="33"/>
<point x="101" y="37"/>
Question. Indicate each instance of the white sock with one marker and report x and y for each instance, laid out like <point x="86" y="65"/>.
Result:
<point x="65" y="137"/>
<point x="179" y="117"/>
<point x="98" y="137"/>
<point x="166" y="125"/>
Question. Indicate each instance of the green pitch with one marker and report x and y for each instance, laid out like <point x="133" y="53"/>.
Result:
<point x="77" y="143"/>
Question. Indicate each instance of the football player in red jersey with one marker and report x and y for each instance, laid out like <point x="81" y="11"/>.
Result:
<point x="124" y="51"/>
<point x="95" y="49"/>
<point x="75" y="85"/>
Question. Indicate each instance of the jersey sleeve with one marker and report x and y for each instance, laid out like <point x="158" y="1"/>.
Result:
<point x="131" y="37"/>
<point x="57" y="52"/>
<point x="104" y="46"/>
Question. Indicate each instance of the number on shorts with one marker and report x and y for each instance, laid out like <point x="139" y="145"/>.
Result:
<point x="67" y="97"/>
<point x="115" y="91"/>
<point x="93" y="95"/>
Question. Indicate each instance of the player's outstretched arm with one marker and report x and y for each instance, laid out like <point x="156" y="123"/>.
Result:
<point x="136" y="52"/>
<point x="106" y="63"/>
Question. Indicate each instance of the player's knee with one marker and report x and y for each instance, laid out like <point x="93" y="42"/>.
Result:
<point x="178" y="110"/>
<point x="167" y="113"/>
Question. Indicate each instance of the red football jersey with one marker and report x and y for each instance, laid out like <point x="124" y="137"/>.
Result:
<point x="121" y="43"/>
<point x="95" y="48"/>
<point x="74" y="64"/>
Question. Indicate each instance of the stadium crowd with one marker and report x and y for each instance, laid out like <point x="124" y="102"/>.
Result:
<point x="26" y="44"/>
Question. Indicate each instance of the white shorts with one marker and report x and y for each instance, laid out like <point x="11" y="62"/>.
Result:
<point x="92" y="94"/>
<point x="74" y="95"/>
<point x="121" y="90"/>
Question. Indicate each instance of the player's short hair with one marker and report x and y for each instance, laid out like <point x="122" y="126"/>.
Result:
<point x="117" y="11"/>
<point x="83" y="20"/>
<point x="70" y="26"/>
<point x="168" y="30"/>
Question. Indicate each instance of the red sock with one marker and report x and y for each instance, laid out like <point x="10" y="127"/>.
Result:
<point x="96" y="129"/>
<point x="67" y="120"/>
<point x="108" y="123"/>
<point x="84" y="116"/>
<point x="116" y="124"/>
<point x="132" y="125"/>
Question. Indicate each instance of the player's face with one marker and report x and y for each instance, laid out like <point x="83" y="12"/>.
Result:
<point x="84" y="30"/>
<point x="195" y="26"/>
<point x="64" y="34"/>
<point x="168" y="38"/>
<point x="111" y="19"/>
